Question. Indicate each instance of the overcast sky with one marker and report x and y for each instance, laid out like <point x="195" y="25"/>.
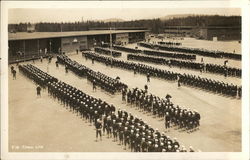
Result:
<point x="76" y="14"/>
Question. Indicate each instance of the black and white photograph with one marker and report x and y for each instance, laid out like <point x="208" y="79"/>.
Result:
<point x="124" y="79"/>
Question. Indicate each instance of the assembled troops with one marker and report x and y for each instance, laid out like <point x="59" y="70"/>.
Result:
<point x="185" y="119"/>
<point x="107" y="83"/>
<point x="185" y="79"/>
<point x="130" y="130"/>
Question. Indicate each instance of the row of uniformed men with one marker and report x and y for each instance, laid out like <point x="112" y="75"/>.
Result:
<point x="194" y="51"/>
<point x="182" y="117"/>
<point x="129" y="130"/>
<point x="218" y="87"/>
<point x="212" y="68"/>
<point x="170" y="43"/>
<point x="107" y="51"/>
<point x="185" y="79"/>
<point x="36" y="74"/>
<point x="105" y="82"/>
<point x="169" y="54"/>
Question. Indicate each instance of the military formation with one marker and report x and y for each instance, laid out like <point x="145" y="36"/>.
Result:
<point x="108" y="52"/>
<point x="36" y="74"/>
<point x="123" y="127"/>
<point x="169" y="55"/>
<point x="202" y="67"/>
<point x="166" y="54"/>
<point x="214" y="86"/>
<point x="105" y="82"/>
<point x="217" y="87"/>
<point x="130" y="131"/>
<point x="126" y="49"/>
<point x="196" y="51"/>
<point x="175" y="115"/>
<point x="170" y="43"/>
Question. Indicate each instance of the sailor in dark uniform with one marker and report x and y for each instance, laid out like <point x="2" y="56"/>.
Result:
<point x="98" y="127"/>
<point x="148" y="77"/>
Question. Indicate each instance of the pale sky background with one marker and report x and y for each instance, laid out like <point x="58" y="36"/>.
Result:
<point x="76" y="14"/>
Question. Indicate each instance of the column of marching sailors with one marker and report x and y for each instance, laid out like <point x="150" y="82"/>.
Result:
<point x="129" y="130"/>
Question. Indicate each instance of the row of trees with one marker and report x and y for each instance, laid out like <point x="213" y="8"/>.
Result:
<point x="155" y="25"/>
<point x="215" y="20"/>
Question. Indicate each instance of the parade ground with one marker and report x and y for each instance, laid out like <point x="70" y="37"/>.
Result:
<point x="42" y="124"/>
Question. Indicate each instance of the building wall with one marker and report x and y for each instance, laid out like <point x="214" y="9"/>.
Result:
<point x="28" y="48"/>
<point x="122" y="38"/>
<point x="147" y="36"/>
<point x="224" y="34"/>
<point x="136" y="37"/>
<point x="70" y="44"/>
<point x="97" y="40"/>
<point x="200" y="33"/>
<point x="31" y="28"/>
<point x="179" y="31"/>
<point x="15" y="46"/>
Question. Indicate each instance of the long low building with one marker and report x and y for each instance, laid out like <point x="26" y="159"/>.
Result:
<point x="221" y="33"/>
<point x="36" y="43"/>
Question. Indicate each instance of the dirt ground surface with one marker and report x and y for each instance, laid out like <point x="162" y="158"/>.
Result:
<point x="42" y="124"/>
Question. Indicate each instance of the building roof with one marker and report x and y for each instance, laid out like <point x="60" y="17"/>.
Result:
<point x="41" y="35"/>
<point x="203" y="27"/>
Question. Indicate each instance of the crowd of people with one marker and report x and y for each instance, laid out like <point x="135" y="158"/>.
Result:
<point x="105" y="82"/>
<point x="129" y="130"/>
<point x="185" y="79"/>
<point x="196" y="51"/>
<point x="170" y="43"/>
<point x="107" y="51"/>
<point x="202" y="67"/>
<point x="173" y="114"/>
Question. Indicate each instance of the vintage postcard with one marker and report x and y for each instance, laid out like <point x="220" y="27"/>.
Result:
<point x="106" y="80"/>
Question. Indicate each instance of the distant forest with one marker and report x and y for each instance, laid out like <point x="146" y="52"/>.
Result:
<point x="155" y="25"/>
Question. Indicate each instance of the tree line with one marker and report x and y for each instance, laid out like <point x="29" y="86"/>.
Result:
<point x="156" y="25"/>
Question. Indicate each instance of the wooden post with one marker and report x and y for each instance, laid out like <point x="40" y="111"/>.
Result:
<point x="110" y="42"/>
<point x="24" y="48"/>
<point x="38" y="46"/>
